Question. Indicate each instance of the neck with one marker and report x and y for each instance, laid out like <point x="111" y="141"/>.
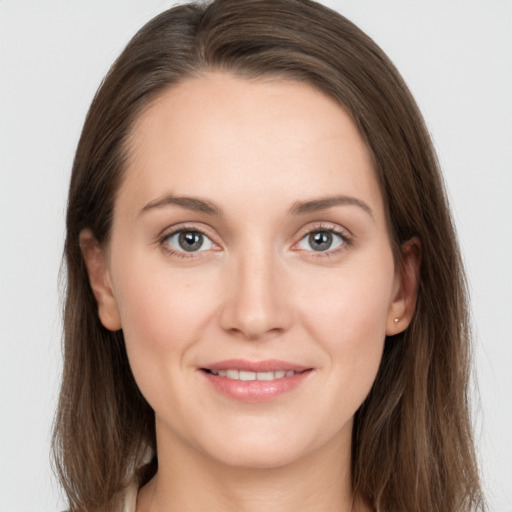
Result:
<point x="188" y="480"/>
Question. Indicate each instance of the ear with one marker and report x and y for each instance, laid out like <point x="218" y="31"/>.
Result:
<point x="99" y="278"/>
<point x="406" y="288"/>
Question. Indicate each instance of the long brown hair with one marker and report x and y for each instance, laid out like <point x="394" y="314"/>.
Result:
<point x="412" y="442"/>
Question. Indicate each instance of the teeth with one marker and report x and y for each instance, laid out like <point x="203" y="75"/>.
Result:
<point x="232" y="374"/>
<point x="266" y="375"/>
<point x="247" y="376"/>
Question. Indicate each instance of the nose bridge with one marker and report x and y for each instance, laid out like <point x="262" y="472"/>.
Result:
<point x="256" y="303"/>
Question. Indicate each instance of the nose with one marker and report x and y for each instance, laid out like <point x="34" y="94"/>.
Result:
<point x="257" y="303"/>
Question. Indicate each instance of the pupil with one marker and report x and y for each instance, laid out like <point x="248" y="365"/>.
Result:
<point x="190" y="241"/>
<point x="320" y="241"/>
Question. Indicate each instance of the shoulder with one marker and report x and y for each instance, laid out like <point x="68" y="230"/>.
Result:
<point x="127" y="499"/>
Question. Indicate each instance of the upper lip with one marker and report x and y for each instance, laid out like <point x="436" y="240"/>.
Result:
<point x="268" y="365"/>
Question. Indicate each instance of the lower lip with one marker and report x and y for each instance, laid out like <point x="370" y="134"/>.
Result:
<point x="256" y="390"/>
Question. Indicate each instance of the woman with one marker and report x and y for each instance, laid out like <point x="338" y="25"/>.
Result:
<point x="266" y="306"/>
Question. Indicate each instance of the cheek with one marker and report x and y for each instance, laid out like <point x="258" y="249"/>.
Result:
<point x="162" y="314"/>
<point x="347" y="314"/>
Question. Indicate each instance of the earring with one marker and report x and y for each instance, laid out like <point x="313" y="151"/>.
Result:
<point x="396" y="320"/>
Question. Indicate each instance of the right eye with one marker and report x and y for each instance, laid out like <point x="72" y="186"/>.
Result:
<point x="322" y="241"/>
<point x="187" y="241"/>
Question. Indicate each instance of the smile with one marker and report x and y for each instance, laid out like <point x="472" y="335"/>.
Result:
<point x="253" y="382"/>
<point x="248" y="376"/>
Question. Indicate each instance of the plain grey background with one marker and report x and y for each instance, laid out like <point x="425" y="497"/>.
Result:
<point x="457" y="59"/>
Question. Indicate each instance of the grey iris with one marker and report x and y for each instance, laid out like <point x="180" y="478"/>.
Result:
<point x="190" y="240"/>
<point x="320" y="241"/>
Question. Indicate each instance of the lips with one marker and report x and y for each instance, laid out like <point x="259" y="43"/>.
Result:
<point x="269" y="365"/>
<point x="250" y="381"/>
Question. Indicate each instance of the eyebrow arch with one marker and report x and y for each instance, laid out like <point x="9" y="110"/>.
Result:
<point x="323" y="203"/>
<point x="190" y="203"/>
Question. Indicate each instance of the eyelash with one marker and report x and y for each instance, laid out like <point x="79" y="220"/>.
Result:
<point x="346" y="241"/>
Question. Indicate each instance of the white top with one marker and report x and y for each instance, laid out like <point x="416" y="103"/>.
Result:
<point x="130" y="498"/>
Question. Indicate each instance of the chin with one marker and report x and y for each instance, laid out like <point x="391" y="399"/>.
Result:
<point x="263" y="449"/>
<point x="260" y="457"/>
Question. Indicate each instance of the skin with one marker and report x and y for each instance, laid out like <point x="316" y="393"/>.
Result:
<point x="257" y="291"/>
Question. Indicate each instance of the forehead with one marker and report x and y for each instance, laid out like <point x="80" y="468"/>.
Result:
<point x="247" y="139"/>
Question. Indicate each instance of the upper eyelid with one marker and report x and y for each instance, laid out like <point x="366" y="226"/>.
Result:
<point x="172" y="230"/>
<point x="324" y="226"/>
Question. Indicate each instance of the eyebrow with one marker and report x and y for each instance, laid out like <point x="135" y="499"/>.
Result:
<point x="298" y="208"/>
<point x="190" y="203"/>
<point x="323" y="203"/>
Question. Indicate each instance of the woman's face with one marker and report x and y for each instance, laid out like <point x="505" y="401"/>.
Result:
<point x="250" y="269"/>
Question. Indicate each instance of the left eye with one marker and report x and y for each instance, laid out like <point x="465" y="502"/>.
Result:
<point x="189" y="241"/>
<point x="321" y="241"/>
